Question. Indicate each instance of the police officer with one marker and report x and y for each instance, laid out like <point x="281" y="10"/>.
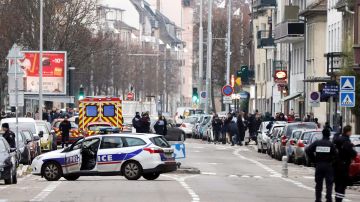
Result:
<point x="9" y="135"/>
<point x="346" y="153"/>
<point x="323" y="153"/>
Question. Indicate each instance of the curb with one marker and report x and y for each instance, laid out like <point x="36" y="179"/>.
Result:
<point x="187" y="170"/>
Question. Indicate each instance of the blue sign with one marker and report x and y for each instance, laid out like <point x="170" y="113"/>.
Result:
<point x="179" y="150"/>
<point x="347" y="83"/>
<point x="330" y="90"/>
<point x="203" y="94"/>
<point x="347" y="99"/>
<point x="227" y="90"/>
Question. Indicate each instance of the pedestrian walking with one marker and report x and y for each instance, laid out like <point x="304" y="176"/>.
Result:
<point x="252" y="125"/>
<point x="233" y="130"/>
<point x="323" y="153"/>
<point x="346" y="154"/>
<point x="160" y="126"/>
<point x="136" y="122"/>
<point x="241" y="129"/>
<point x="65" y="127"/>
<point x="216" y="126"/>
<point x="9" y="135"/>
<point x="316" y="121"/>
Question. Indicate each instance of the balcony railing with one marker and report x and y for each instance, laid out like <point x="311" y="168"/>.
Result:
<point x="334" y="62"/>
<point x="289" y="32"/>
<point x="265" y="39"/>
<point x="264" y="4"/>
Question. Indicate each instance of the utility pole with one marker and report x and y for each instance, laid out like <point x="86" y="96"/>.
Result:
<point x="228" y="44"/>
<point x="41" y="63"/>
<point x="201" y="48"/>
<point x="209" y="58"/>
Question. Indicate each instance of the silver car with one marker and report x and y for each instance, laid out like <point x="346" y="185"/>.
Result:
<point x="299" y="147"/>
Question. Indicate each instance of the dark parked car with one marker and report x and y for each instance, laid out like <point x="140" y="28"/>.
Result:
<point x="354" y="171"/>
<point x="31" y="141"/>
<point x="7" y="162"/>
<point x="174" y="133"/>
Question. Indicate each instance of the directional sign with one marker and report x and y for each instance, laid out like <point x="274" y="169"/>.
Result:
<point x="347" y="99"/>
<point x="347" y="83"/>
<point x="179" y="150"/>
<point x="227" y="90"/>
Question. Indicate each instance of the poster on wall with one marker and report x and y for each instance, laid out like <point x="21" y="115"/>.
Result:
<point x="54" y="72"/>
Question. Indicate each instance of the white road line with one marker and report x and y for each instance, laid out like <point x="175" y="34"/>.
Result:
<point x="181" y="180"/>
<point x="208" y="173"/>
<point x="233" y="176"/>
<point x="46" y="191"/>
<point x="258" y="177"/>
<point x="309" y="177"/>
<point x="3" y="200"/>
<point x="274" y="173"/>
<point x="245" y="176"/>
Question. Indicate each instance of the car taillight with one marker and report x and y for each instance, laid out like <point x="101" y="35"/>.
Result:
<point x="183" y="125"/>
<point x="357" y="159"/>
<point x="153" y="150"/>
<point x="283" y="140"/>
<point x="301" y="144"/>
<point x="292" y="142"/>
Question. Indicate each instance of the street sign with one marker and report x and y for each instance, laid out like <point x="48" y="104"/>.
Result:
<point x="12" y="99"/>
<point x="203" y="96"/>
<point x="227" y="99"/>
<point x="280" y="76"/>
<point x="130" y="96"/>
<point x="331" y="90"/>
<point x="347" y="83"/>
<point x="314" y="99"/>
<point x="347" y="99"/>
<point x="179" y="150"/>
<point x="227" y="90"/>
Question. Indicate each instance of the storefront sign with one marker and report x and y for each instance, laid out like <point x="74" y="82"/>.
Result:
<point x="280" y="76"/>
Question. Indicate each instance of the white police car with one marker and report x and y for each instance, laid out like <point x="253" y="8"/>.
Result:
<point x="130" y="155"/>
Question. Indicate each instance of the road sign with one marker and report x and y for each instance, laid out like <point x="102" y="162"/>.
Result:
<point x="227" y="90"/>
<point x="227" y="99"/>
<point x="347" y="83"/>
<point x="314" y="99"/>
<point x="130" y="96"/>
<point x="203" y="96"/>
<point x="179" y="150"/>
<point x="347" y="99"/>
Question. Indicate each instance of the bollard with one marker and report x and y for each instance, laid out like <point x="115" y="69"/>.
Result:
<point x="285" y="167"/>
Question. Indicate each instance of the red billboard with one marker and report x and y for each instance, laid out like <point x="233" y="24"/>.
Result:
<point x="54" y="72"/>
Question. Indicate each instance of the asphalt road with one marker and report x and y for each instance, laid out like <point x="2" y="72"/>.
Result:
<point x="227" y="174"/>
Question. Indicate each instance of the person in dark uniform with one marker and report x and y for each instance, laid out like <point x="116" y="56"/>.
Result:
<point x="9" y="135"/>
<point x="136" y="122"/>
<point x="65" y="127"/>
<point x="216" y="125"/>
<point x="346" y="155"/>
<point x="323" y="153"/>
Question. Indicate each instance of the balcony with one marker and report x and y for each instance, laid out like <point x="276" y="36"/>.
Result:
<point x="334" y="62"/>
<point x="264" y="4"/>
<point x="265" y="40"/>
<point x="289" y="32"/>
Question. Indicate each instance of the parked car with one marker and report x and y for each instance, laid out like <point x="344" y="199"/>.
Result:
<point x="174" y="133"/>
<point x="299" y="151"/>
<point x="263" y="134"/>
<point x="8" y="161"/>
<point x="31" y="142"/>
<point x="289" y="128"/>
<point x="354" y="171"/>
<point x="205" y="126"/>
<point x="275" y="130"/>
<point x="313" y="137"/>
<point x="188" y="125"/>
<point x="52" y="133"/>
<point x="46" y="141"/>
<point x="74" y="132"/>
<point x="291" y="144"/>
<point x="24" y="124"/>
<point x="277" y="153"/>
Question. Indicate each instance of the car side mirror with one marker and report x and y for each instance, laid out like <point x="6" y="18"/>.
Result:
<point x="12" y="150"/>
<point x="36" y="138"/>
<point x="41" y="134"/>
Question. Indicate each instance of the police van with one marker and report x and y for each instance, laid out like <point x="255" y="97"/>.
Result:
<point x="130" y="155"/>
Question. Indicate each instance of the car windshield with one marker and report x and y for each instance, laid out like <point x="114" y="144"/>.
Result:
<point x="160" y="142"/>
<point x="306" y="136"/>
<point x="42" y="128"/>
<point x="23" y="126"/>
<point x="316" y="136"/>
<point x="97" y="127"/>
<point x="357" y="148"/>
<point x="191" y="120"/>
<point x="27" y="135"/>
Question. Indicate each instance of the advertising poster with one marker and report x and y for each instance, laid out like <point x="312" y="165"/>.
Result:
<point x="54" y="72"/>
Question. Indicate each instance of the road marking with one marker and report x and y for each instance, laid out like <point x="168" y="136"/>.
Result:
<point x="309" y="177"/>
<point x="181" y="180"/>
<point x="208" y="173"/>
<point x="46" y="191"/>
<point x="274" y="173"/>
<point x="245" y="176"/>
<point x="233" y="176"/>
<point x="3" y="200"/>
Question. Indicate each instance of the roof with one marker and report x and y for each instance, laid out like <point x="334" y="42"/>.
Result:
<point x="145" y="11"/>
<point x="122" y="25"/>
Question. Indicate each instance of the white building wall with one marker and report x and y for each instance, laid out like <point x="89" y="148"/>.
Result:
<point x="334" y="28"/>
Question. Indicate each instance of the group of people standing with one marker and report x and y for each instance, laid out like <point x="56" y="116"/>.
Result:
<point x="231" y="129"/>
<point x="141" y="123"/>
<point x="332" y="162"/>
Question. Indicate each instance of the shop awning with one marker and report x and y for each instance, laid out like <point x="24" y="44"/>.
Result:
<point x="290" y="97"/>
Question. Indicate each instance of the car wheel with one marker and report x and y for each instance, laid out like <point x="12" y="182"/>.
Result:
<point x="11" y="177"/>
<point x="182" y="137"/>
<point x="71" y="177"/>
<point x="51" y="171"/>
<point x="132" y="170"/>
<point x="151" y="176"/>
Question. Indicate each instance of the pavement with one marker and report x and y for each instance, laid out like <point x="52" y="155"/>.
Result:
<point x="226" y="174"/>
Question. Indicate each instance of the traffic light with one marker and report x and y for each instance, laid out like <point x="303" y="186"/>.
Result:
<point x="243" y="73"/>
<point x="81" y="93"/>
<point x="195" y="96"/>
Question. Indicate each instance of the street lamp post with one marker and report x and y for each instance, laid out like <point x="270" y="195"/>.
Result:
<point x="201" y="48"/>
<point x="41" y="63"/>
<point x="209" y="58"/>
<point x="228" y="44"/>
